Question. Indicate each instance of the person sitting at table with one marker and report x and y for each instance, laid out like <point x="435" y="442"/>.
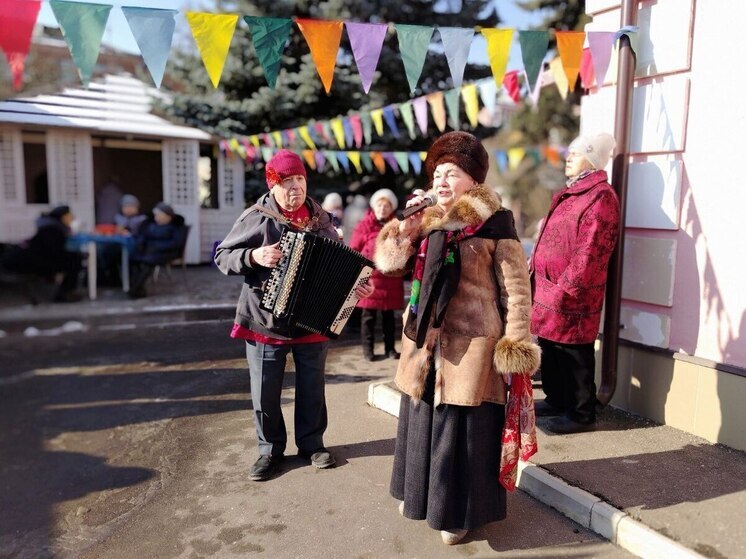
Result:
<point x="158" y="240"/>
<point x="45" y="254"/>
<point x="126" y="222"/>
<point x="129" y="219"/>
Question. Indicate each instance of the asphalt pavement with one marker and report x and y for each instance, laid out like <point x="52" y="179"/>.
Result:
<point x="85" y="401"/>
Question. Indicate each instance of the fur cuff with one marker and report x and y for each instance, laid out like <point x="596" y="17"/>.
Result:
<point x="517" y="357"/>
<point x="393" y="250"/>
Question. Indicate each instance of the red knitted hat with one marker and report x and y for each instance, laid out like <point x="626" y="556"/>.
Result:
<point x="462" y="149"/>
<point x="283" y="164"/>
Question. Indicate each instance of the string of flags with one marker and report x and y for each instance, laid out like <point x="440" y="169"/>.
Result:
<point x="83" y="26"/>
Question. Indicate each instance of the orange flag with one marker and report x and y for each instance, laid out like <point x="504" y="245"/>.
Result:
<point x="310" y="158"/>
<point x="570" y="46"/>
<point x="378" y="161"/>
<point x="323" y="39"/>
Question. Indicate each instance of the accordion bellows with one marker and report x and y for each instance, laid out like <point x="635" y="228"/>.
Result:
<point x="313" y="284"/>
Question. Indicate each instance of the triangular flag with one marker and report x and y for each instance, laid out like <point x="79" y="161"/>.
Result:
<point x="560" y="78"/>
<point x="367" y="126"/>
<point x="213" y="34"/>
<point x="420" y="112"/>
<point x="377" y="117"/>
<point x="502" y="161"/>
<point x="290" y="135"/>
<point x="570" y="47"/>
<point x="366" y="40"/>
<point x="277" y="137"/>
<point x="354" y="157"/>
<point x="534" y="46"/>
<point x="402" y="160"/>
<point x="515" y="156"/>
<point x="366" y="161"/>
<point x="378" y="161"/>
<point x="534" y="96"/>
<point x="267" y="154"/>
<point x="415" y="162"/>
<point x="600" y="43"/>
<point x="586" y="70"/>
<point x="512" y="87"/>
<point x="498" y="51"/>
<point x="310" y="159"/>
<point x="17" y="22"/>
<point x="471" y="103"/>
<point x="320" y="160"/>
<point x="488" y="94"/>
<point x="348" y="131"/>
<point x="388" y="114"/>
<point x="357" y="129"/>
<point x="153" y="30"/>
<point x="339" y="131"/>
<point x="303" y="131"/>
<point x="344" y="160"/>
<point x="405" y="110"/>
<point x="552" y="155"/>
<point x="414" y="41"/>
<point x="323" y="39"/>
<point x="269" y="35"/>
<point x="391" y="160"/>
<point x="327" y="132"/>
<point x="454" y="108"/>
<point x="456" y="44"/>
<point x="83" y="27"/>
<point x="423" y="155"/>
<point x="331" y="157"/>
<point x="439" y="111"/>
<point x="267" y="139"/>
<point x="254" y="140"/>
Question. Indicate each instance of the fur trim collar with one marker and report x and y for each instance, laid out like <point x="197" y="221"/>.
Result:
<point x="472" y="209"/>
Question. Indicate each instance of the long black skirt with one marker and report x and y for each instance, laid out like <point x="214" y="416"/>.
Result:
<point x="447" y="461"/>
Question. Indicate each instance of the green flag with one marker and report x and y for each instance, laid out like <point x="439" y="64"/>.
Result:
<point x="269" y="35"/>
<point x="405" y="110"/>
<point x="367" y="126"/>
<point x="402" y="158"/>
<point x="83" y="27"/>
<point x="452" y="97"/>
<point x="414" y="41"/>
<point x="533" y="49"/>
<point x="367" y="161"/>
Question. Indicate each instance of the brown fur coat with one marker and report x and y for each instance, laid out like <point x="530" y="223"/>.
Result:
<point x="474" y="344"/>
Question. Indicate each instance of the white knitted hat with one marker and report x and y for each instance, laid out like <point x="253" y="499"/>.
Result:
<point x="384" y="193"/>
<point x="596" y="148"/>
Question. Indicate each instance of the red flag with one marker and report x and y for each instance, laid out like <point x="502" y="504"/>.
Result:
<point x="17" y="20"/>
<point x="586" y="70"/>
<point x="511" y="85"/>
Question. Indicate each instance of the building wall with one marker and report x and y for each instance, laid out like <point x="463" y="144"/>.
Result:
<point x="682" y="283"/>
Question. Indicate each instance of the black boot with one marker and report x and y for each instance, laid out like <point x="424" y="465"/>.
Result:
<point x="367" y="327"/>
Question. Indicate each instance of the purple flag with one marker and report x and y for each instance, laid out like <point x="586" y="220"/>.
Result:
<point x="366" y="40"/>
<point x="391" y="160"/>
<point x="420" y="111"/>
<point x="320" y="160"/>
<point x="600" y="43"/>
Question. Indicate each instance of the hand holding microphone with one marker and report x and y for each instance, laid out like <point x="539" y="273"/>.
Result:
<point x="417" y="204"/>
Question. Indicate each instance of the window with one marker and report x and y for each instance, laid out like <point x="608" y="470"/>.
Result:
<point x="207" y="170"/>
<point x="35" y="166"/>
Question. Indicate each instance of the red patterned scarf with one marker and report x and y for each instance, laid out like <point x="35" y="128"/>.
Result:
<point x="519" y="432"/>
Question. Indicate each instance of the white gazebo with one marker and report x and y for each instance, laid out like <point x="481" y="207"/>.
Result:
<point x="63" y="148"/>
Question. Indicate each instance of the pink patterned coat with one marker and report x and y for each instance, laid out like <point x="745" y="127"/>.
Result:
<point x="570" y="261"/>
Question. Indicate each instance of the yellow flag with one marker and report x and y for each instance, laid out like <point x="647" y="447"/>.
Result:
<point x="471" y="103"/>
<point x="254" y="140"/>
<point x="423" y="155"/>
<point x="339" y="131"/>
<point x="560" y="78"/>
<point x="435" y="100"/>
<point x="309" y="157"/>
<point x="355" y="158"/>
<point x="277" y="137"/>
<point x="515" y="156"/>
<point x="213" y="34"/>
<point x="377" y="117"/>
<point x="570" y="47"/>
<point x="498" y="51"/>
<point x="323" y="39"/>
<point x="303" y="131"/>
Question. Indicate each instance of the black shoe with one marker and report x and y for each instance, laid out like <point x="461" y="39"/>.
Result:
<point x="368" y="355"/>
<point x="392" y="354"/>
<point x="543" y="409"/>
<point x="68" y="297"/>
<point x="566" y="426"/>
<point x="265" y="467"/>
<point x="320" y="458"/>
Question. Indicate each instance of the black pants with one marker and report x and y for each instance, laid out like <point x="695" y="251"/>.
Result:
<point x="368" y="326"/>
<point x="139" y="274"/>
<point x="568" y="378"/>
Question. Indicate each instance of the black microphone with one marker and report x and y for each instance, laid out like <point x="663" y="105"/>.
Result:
<point x="429" y="200"/>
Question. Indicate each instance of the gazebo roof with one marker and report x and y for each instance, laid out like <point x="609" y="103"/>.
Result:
<point x="116" y="105"/>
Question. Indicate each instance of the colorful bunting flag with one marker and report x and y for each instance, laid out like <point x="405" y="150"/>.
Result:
<point x="254" y="140"/>
<point x="511" y="85"/>
<point x="534" y="46"/>
<point x="471" y="103"/>
<point x="534" y="95"/>
<point x="560" y="78"/>
<point x="420" y="112"/>
<point x="267" y="154"/>
<point x="357" y="129"/>
<point x="354" y="157"/>
<point x="323" y="39"/>
<point x="586" y="70"/>
<point x="405" y="110"/>
<point x="502" y="161"/>
<point x="367" y="126"/>
<point x="83" y="27"/>
<point x="320" y="160"/>
<point x="414" y="41"/>
<point x="308" y="155"/>
<point x="339" y="131"/>
<point x="366" y="161"/>
<point x="570" y="47"/>
<point x="332" y="159"/>
<point x="348" y="131"/>
<point x="498" y="51"/>
<point x="456" y="43"/>
<point x="388" y="114"/>
<point x="439" y="111"/>
<point x="515" y="156"/>
<point x="377" y="117"/>
<point x="415" y="162"/>
<point x="402" y="159"/>
<point x="378" y="161"/>
<point x="391" y="160"/>
<point x="17" y="22"/>
<point x="269" y="35"/>
<point x="277" y="139"/>
<point x="344" y="160"/>
<point x="454" y="109"/>
<point x="488" y="93"/>
<point x="213" y="34"/>
<point x="600" y="44"/>
<point x="366" y="40"/>
<point x="153" y="30"/>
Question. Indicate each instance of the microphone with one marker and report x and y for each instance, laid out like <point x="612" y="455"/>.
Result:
<point x="430" y="200"/>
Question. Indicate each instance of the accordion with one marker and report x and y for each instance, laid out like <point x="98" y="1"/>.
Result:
<point x="313" y="284"/>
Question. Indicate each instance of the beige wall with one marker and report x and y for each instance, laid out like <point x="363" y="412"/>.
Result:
<point x="693" y="397"/>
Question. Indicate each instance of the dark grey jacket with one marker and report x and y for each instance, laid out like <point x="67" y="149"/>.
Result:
<point x="254" y="229"/>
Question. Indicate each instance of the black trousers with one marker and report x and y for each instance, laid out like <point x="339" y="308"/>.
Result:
<point x="568" y="378"/>
<point x="368" y="326"/>
<point x="140" y="272"/>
